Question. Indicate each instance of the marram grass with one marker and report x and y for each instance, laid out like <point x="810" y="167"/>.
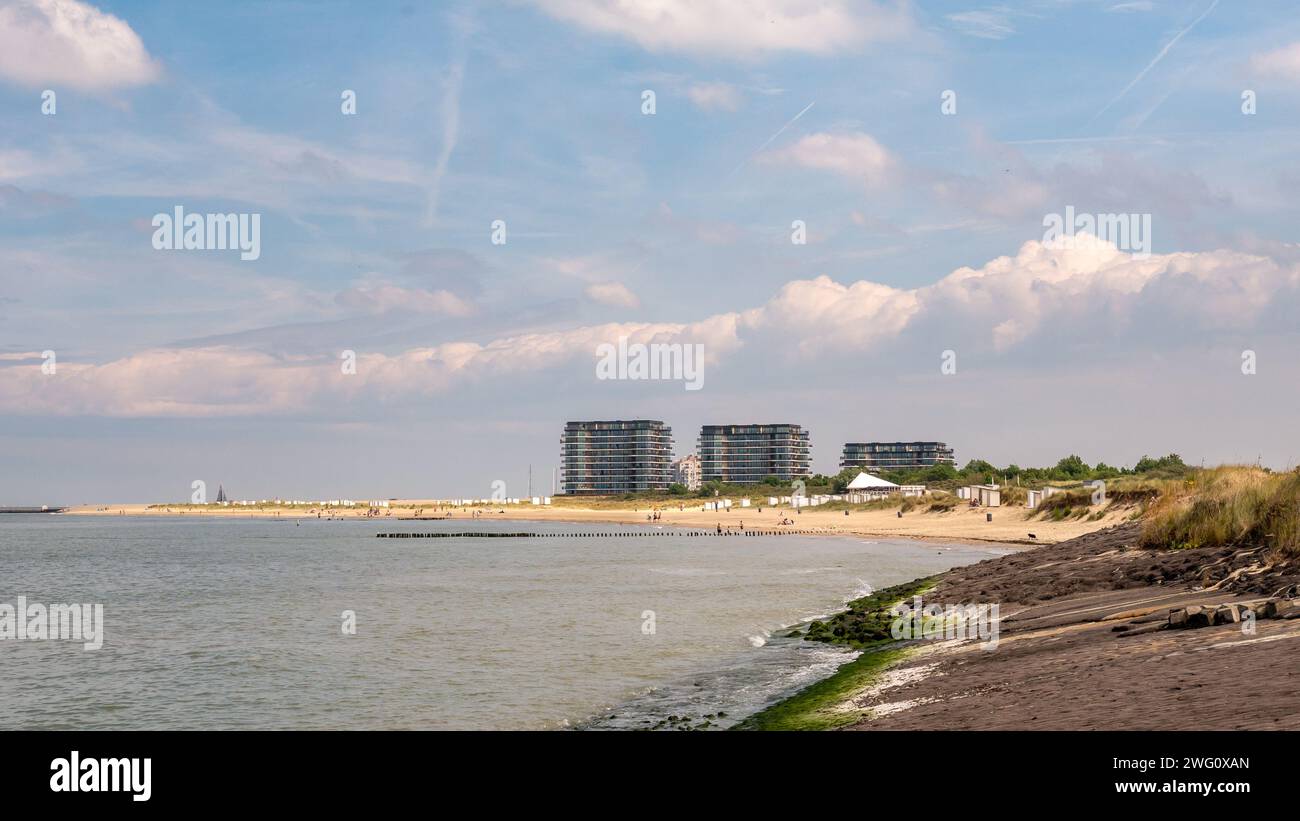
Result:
<point x="1245" y="506"/>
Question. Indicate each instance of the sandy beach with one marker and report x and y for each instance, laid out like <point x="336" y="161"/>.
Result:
<point x="1010" y="525"/>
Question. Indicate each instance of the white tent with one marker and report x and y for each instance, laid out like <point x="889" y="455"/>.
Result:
<point x="864" y="481"/>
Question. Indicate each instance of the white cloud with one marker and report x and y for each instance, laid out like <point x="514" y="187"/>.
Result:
<point x="714" y="96"/>
<point x="221" y="381"/>
<point x="612" y="293"/>
<point x="68" y="44"/>
<point x="1070" y="291"/>
<point x="857" y="156"/>
<point x="737" y="28"/>
<point x="823" y="314"/>
<point x="1137" y="5"/>
<point x="1038" y="299"/>
<point x="1280" y="62"/>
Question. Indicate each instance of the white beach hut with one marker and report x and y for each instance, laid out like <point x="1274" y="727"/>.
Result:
<point x="989" y="495"/>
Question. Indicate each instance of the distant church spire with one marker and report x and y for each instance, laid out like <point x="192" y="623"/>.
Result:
<point x="221" y="494"/>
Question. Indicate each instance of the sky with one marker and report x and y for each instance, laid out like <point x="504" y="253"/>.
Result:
<point x="848" y="205"/>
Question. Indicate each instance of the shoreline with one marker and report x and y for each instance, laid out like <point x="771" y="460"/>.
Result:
<point x="1086" y="641"/>
<point x="1086" y="637"/>
<point x="1011" y="526"/>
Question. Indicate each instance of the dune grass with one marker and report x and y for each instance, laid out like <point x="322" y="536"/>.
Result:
<point x="1074" y="502"/>
<point x="1231" y="505"/>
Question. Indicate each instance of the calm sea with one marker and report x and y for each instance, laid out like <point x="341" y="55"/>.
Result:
<point x="216" y="624"/>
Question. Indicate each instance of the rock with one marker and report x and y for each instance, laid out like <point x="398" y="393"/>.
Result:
<point x="1198" y="616"/>
<point x="1286" y="608"/>
<point x="1227" y="613"/>
<point x="1266" y="609"/>
<point x="1178" y="617"/>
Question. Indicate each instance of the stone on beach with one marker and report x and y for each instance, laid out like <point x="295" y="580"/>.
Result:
<point x="1228" y="613"/>
<point x="1266" y="609"/>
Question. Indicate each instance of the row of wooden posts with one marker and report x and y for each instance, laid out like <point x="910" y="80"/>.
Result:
<point x="603" y="535"/>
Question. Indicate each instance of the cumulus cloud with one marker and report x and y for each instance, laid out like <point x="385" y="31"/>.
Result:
<point x="1087" y="285"/>
<point x="823" y="314"/>
<point x="714" y="96"/>
<point x="70" y="44"/>
<point x="612" y="293"/>
<point x="738" y="28"/>
<point x="1280" y="62"/>
<point x="1073" y="291"/>
<point x="856" y="156"/>
<point x="1056" y="293"/>
<point x="224" y="381"/>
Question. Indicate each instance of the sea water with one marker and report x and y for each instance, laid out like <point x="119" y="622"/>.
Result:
<point x="216" y="623"/>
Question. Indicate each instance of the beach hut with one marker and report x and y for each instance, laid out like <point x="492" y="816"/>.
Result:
<point x="988" y="495"/>
<point x="1032" y="498"/>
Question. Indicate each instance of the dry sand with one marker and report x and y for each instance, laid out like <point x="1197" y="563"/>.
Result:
<point x="1010" y="525"/>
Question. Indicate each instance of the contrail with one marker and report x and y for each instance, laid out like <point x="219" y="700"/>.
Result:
<point x="1160" y="56"/>
<point x="779" y="132"/>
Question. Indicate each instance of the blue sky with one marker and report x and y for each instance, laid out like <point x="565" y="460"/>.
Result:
<point x="924" y="234"/>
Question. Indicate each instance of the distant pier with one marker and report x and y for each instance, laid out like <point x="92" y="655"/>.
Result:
<point x="41" y="509"/>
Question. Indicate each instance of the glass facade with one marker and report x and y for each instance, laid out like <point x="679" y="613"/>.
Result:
<point x="877" y="456"/>
<point x="748" y="454"/>
<point x="611" y="457"/>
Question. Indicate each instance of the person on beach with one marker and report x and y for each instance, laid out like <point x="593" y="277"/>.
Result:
<point x="719" y="528"/>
